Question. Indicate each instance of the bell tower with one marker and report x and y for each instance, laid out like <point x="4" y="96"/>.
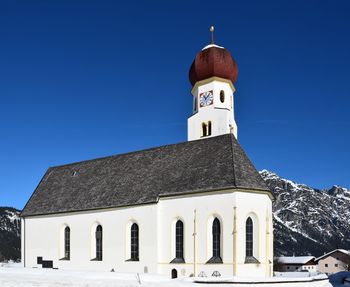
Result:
<point x="212" y="75"/>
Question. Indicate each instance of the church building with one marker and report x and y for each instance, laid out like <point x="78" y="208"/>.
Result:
<point x="196" y="208"/>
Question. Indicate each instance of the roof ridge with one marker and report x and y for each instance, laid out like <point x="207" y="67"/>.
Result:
<point x="131" y="152"/>
<point x="331" y="252"/>
<point x="233" y="159"/>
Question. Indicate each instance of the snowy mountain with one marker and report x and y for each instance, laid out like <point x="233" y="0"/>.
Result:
<point x="308" y="220"/>
<point x="10" y="233"/>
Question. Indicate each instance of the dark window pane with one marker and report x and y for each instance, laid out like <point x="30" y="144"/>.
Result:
<point x="179" y="239"/>
<point x="98" y="235"/>
<point x="249" y="237"/>
<point x="216" y="238"/>
<point x="222" y="96"/>
<point x="134" y="242"/>
<point x="67" y="243"/>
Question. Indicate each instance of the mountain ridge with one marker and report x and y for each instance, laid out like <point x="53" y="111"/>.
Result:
<point x="308" y="221"/>
<point x="10" y="233"/>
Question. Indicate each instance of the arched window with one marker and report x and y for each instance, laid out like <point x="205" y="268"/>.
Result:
<point x="222" y="96"/>
<point x="98" y="237"/>
<point x="249" y="237"/>
<point x="67" y="243"/>
<point x="216" y="239"/>
<point x="204" y="129"/>
<point x="179" y="240"/>
<point x="195" y="104"/>
<point x="134" y="242"/>
<point x="173" y="273"/>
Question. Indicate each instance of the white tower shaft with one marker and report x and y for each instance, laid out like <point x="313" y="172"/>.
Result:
<point x="213" y="109"/>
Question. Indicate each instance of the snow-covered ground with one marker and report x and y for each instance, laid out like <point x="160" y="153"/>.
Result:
<point x="14" y="275"/>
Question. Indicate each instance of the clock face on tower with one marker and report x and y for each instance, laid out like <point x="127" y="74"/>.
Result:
<point x="206" y="99"/>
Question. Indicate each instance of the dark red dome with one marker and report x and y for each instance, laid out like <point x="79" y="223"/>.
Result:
<point x="213" y="61"/>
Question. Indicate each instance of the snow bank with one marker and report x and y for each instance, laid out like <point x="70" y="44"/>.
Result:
<point x="14" y="276"/>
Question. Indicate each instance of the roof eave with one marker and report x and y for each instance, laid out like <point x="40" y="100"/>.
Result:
<point x="227" y="188"/>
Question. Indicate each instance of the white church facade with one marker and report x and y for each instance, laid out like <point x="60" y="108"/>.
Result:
<point x="193" y="208"/>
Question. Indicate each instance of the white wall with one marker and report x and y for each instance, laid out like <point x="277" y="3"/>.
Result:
<point x="220" y="205"/>
<point x="298" y="268"/>
<point x="157" y="241"/>
<point x="43" y="239"/>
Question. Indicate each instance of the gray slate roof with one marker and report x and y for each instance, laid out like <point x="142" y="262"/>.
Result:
<point x="141" y="177"/>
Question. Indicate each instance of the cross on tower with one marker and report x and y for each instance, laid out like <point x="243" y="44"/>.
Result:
<point x="212" y="34"/>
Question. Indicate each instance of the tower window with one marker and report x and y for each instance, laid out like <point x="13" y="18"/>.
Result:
<point x="195" y="104"/>
<point x="222" y="96"/>
<point x="206" y="129"/>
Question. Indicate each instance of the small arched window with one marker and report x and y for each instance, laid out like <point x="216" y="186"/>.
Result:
<point x="222" y="96"/>
<point x="204" y="129"/>
<point x="173" y="273"/>
<point x="134" y="242"/>
<point x="98" y="237"/>
<point x="179" y="240"/>
<point x="67" y="243"/>
<point x="249" y="237"/>
<point x="209" y="128"/>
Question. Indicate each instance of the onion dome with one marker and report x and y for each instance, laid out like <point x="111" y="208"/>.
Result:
<point x="212" y="61"/>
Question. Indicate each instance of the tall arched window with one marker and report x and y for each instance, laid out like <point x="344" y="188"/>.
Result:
<point x="216" y="239"/>
<point x="249" y="237"/>
<point x="67" y="243"/>
<point x="216" y="231"/>
<point x="179" y="240"/>
<point x="134" y="242"/>
<point x="98" y="236"/>
<point x="209" y="128"/>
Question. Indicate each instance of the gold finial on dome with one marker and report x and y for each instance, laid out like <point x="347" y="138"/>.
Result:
<point x="212" y="34"/>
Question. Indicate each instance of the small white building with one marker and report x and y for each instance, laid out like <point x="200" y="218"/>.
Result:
<point x="297" y="263"/>
<point x="198" y="207"/>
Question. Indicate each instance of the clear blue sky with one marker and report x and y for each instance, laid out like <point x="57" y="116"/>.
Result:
<point x="86" y="79"/>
